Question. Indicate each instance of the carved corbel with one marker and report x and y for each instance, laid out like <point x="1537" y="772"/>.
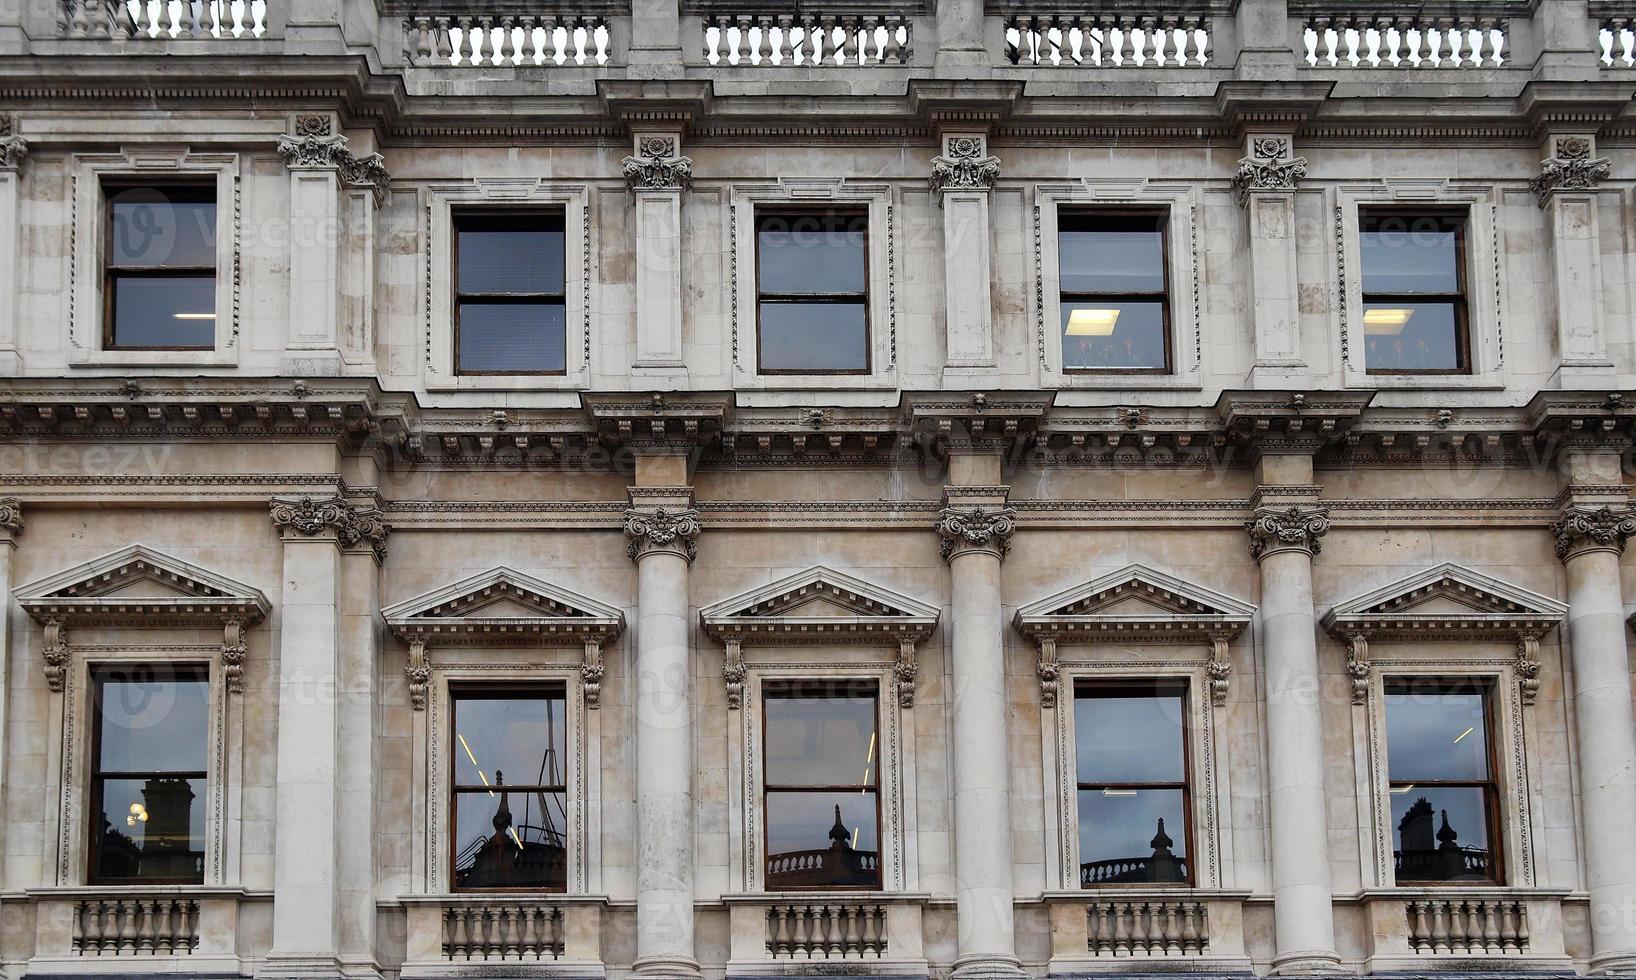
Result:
<point x="1219" y="669"/>
<point x="1270" y="166"/>
<point x="732" y="671"/>
<point x="906" y="668"/>
<point x="1527" y="667"/>
<point x="1572" y="166"/>
<point x="233" y="650"/>
<point x="56" y="653"/>
<point x="1046" y="668"/>
<point x="964" y="165"/>
<point x="657" y="165"/>
<point x="419" y="672"/>
<point x="1358" y="666"/>
<point x="590" y="672"/>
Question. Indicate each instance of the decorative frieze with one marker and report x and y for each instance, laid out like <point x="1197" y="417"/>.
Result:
<point x="1572" y="166"/>
<point x="672" y="531"/>
<point x="658" y="165"/>
<point x="314" y="148"/>
<point x="1292" y="528"/>
<point x="1270" y="166"/>
<point x="975" y="529"/>
<point x="1582" y="530"/>
<point x="965" y="165"/>
<point x="352" y="524"/>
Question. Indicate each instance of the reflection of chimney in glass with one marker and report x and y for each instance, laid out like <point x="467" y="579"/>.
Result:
<point x="838" y="836"/>
<point x="167" y="846"/>
<point x="1415" y="829"/>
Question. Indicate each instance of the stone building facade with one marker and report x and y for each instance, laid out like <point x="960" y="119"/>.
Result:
<point x="1031" y="578"/>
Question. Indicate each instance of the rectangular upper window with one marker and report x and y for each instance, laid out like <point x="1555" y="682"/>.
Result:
<point x="148" y="774"/>
<point x="510" y="788"/>
<point x="1445" y="805"/>
<point x="1115" y="301"/>
<point x="159" y="267"/>
<point x="812" y="292"/>
<point x="1414" y="292"/>
<point x="510" y="313"/>
<point x="1131" y="757"/>
<point x="822" y="786"/>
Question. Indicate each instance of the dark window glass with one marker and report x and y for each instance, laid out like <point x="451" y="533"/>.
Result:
<point x="812" y="306"/>
<point x="148" y="783"/>
<point x="822" y="786"/>
<point x="510" y="789"/>
<point x="1131" y="756"/>
<point x="160" y="268"/>
<point x="1115" y="304"/>
<point x="1414" y="304"/>
<point x="1444" y="801"/>
<point x="510" y="305"/>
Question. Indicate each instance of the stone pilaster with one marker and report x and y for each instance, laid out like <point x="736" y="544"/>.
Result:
<point x="975" y="527"/>
<point x="1285" y="534"/>
<point x="1589" y="540"/>
<point x="11" y="528"/>
<point x="962" y="179"/>
<point x="1566" y="188"/>
<point x="662" y="528"/>
<point x="13" y="148"/>
<point x="1265" y="186"/>
<point x="658" y="175"/>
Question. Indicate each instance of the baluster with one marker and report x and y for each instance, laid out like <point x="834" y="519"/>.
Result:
<point x="463" y="933"/>
<point x="1419" y="928"/>
<point x="1203" y="913"/>
<point x="1203" y="36"/>
<point x="1163" y="41"/>
<point x="442" y="42"/>
<point x="1144" y="934"/>
<point x="785" y="48"/>
<point x="1190" y="928"/>
<point x="1522" y="925"/>
<point x="109" y="935"/>
<point x="1172" y="931"/>
<point x="528" y="945"/>
<point x="869" y="43"/>
<point x="1474" y="925"/>
<point x="851" y="939"/>
<point x="512" y="941"/>
<point x="1491" y="926"/>
<point x="164" y="937"/>
<point x="775" y="930"/>
<point x="1121" y="929"/>
<point x="891" y="51"/>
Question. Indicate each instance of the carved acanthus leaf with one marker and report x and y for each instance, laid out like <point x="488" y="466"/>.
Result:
<point x="1583" y="529"/>
<point x="11" y="515"/>
<point x="315" y="152"/>
<point x="965" y="165"/>
<point x="674" y="531"/>
<point x="1294" y="527"/>
<point x="1256" y="174"/>
<point x="351" y="523"/>
<point x="12" y="151"/>
<point x="657" y="166"/>
<point x="976" y="528"/>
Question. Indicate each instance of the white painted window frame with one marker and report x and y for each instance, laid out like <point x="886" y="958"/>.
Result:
<point x="437" y="203"/>
<point x="1484" y="253"/>
<point x="87" y="175"/>
<point x="1182" y="204"/>
<point x="744" y="202"/>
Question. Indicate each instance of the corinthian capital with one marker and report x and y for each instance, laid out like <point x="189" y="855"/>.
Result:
<point x="11" y="516"/>
<point x="1292" y="528"/>
<point x="669" y="531"/>
<point x="314" y="148"/>
<point x="1269" y="166"/>
<point x="1573" y="166"/>
<point x="658" y="166"/>
<point x="351" y="524"/>
<point x="965" y="165"/>
<point x="12" y="151"/>
<point x="1585" y="529"/>
<point x="975" y="529"/>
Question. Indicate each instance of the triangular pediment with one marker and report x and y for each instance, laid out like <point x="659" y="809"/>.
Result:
<point x="138" y="586"/>
<point x="1136" y="603"/>
<point x="503" y="605"/>
<point x="1447" y="601"/>
<point x="820" y="605"/>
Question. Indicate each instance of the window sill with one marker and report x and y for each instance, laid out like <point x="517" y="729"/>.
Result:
<point x="79" y="357"/>
<point x="823" y="895"/>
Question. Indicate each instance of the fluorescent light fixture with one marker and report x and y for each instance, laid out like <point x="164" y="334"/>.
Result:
<point x="1118" y="792"/>
<point x="1463" y="734"/>
<point x="194" y="316"/>
<point x="1092" y="323"/>
<point x="1400" y="790"/>
<point x="1385" y="321"/>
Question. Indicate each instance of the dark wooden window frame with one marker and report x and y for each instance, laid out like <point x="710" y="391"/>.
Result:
<point x="1067" y="216"/>
<point x="764" y="215"/>
<point x="522" y="219"/>
<point x="1181" y="690"/>
<point x="493" y="691"/>
<point x="1416" y="684"/>
<point x="193" y="672"/>
<point x="1460" y="219"/>
<point x="811" y="688"/>
<point x="183" y="191"/>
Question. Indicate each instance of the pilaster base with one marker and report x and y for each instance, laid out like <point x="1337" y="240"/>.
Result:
<point x="666" y="968"/>
<point x="1308" y="963"/>
<point x="277" y="966"/>
<point x="987" y="968"/>
<point x="1617" y="963"/>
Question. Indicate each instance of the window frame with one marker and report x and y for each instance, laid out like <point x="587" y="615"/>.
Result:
<point x="1069" y="213"/>
<point x="1180" y="689"/>
<point x="1368" y="214"/>
<point x="519" y="214"/>
<point x="769" y="689"/>
<point x="198" y="672"/>
<point x="488" y="689"/>
<point x="193" y="191"/>
<point x="1493" y="799"/>
<point x="857" y="211"/>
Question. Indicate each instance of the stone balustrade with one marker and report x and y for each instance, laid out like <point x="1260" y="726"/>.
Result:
<point x="1473" y="925"/>
<point x="164" y="19"/>
<point x="1404" y="40"/>
<point x="481" y="40"/>
<point x="827" y="931"/>
<point x="1109" y="40"/>
<point x="807" y="39"/>
<point x="503" y="931"/>
<point x="1616" y="41"/>
<point x="549" y="932"/>
<point x="1147" y="928"/>
<point x="136" y="926"/>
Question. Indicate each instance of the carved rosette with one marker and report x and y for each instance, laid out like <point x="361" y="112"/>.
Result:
<point x="668" y="531"/>
<point x="11" y="516"/>
<point x="419" y="672"/>
<point x="657" y="166"/>
<point x="1293" y="528"/>
<point x="314" y="151"/>
<point x="233" y="651"/>
<point x="1572" y="167"/>
<point x="975" y="529"/>
<point x="964" y="166"/>
<point x="1582" y="530"/>
<point x="352" y="524"/>
<point x="55" y="651"/>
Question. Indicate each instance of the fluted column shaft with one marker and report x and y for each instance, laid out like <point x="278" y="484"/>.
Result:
<point x="1283" y="543"/>
<point x="661" y="543"/>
